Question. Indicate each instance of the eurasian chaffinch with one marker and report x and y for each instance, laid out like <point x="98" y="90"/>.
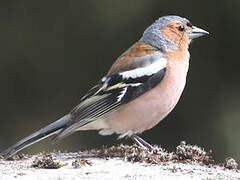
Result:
<point x="140" y="89"/>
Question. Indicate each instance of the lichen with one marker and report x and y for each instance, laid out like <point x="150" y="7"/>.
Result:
<point x="46" y="161"/>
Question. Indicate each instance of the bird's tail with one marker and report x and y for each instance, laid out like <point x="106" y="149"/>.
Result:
<point x="43" y="133"/>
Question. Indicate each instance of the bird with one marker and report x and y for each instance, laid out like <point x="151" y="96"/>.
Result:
<point x="141" y="88"/>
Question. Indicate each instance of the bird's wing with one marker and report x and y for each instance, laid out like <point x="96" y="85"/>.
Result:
<point x="117" y="88"/>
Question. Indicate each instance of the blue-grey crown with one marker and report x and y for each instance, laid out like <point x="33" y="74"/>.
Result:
<point x="153" y="36"/>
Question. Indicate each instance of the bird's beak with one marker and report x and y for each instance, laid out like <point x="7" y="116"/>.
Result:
<point x="196" y="32"/>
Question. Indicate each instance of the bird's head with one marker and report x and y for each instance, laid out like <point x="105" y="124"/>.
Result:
<point x="171" y="33"/>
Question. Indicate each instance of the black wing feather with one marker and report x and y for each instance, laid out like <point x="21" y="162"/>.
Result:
<point x="104" y="98"/>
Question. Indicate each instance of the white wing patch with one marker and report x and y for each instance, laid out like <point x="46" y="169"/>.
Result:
<point x="148" y="70"/>
<point x="122" y="85"/>
<point x="122" y="94"/>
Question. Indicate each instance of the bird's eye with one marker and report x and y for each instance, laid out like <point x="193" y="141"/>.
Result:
<point x="181" y="28"/>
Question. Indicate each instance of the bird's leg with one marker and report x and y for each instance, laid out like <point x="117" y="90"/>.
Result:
<point x="140" y="142"/>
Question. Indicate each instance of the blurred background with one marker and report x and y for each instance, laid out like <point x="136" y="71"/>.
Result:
<point x="52" y="52"/>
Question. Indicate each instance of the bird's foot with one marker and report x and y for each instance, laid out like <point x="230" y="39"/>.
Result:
<point x="140" y="142"/>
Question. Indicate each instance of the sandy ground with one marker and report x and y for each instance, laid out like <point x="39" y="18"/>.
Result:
<point x="111" y="168"/>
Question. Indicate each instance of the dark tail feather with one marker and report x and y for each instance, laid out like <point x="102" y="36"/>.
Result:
<point x="43" y="133"/>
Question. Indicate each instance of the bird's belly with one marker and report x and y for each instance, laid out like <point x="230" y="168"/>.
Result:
<point x="147" y="110"/>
